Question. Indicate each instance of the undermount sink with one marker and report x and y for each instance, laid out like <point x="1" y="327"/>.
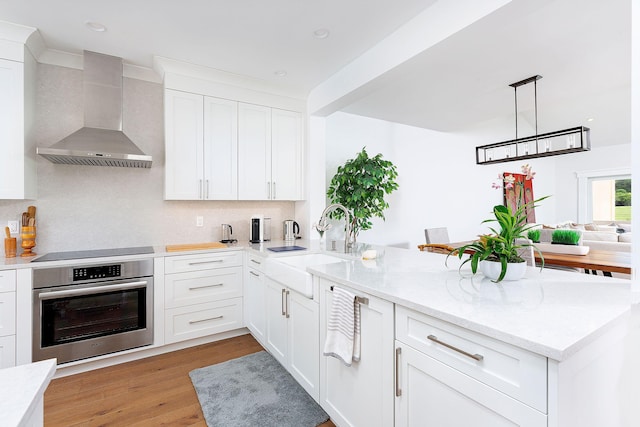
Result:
<point x="291" y="271"/>
<point x="304" y="261"/>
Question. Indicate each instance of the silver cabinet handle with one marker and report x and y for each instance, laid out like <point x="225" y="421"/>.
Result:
<point x="398" y="390"/>
<point x="435" y="339"/>
<point x="200" y="190"/>
<point x="274" y="190"/>
<point x="268" y="189"/>
<point x="282" y="302"/>
<point x="253" y="273"/>
<point x="206" y="262"/>
<point x="206" y="193"/>
<point x="206" y="286"/>
<point x="255" y="262"/>
<point x="191" y="322"/>
<point x="286" y="302"/>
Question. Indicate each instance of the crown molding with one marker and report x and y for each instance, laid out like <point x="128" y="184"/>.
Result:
<point x="164" y="66"/>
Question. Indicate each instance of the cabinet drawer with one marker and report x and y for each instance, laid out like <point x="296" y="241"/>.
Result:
<point x="511" y="370"/>
<point x="196" y="287"/>
<point x="7" y="280"/>
<point x="183" y="263"/>
<point x="196" y="321"/>
<point x="256" y="262"/>
<point x="7" y="313"/>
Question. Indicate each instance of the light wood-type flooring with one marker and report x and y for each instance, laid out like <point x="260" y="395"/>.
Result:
<point x="155" y="391"/>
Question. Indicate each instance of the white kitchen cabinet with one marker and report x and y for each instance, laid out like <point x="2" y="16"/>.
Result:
<point x="432" y="393"/>
<point x="269" y="153"/>
<point x="286" y="155"/>
<point x="7" y="318"/>
<point x="254" y="298"/>
<point x="470" y="379"/>
<point x="18" y="179"/>
<point x="363" y="393"/>
<point x="292" y="334"/>
<point x="201" y="139"/>
<point x="203" y="295"/>
<point x="277" y="299"/>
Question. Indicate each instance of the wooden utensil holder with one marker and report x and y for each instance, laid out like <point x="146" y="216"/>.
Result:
<point x="28" y="236"/>
<point x="10" y="247"/>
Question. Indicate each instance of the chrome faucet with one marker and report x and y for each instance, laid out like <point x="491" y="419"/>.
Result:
<point x="323" y="226"/>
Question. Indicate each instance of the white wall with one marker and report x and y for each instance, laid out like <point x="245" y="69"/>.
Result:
<point x="598" y="159"/>
<point x="439" y="182"/>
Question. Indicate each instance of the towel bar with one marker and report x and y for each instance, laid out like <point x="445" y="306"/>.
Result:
<point x="359" y="300"/>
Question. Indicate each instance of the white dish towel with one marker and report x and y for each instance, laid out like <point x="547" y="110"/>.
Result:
<point x="343" y="328"/>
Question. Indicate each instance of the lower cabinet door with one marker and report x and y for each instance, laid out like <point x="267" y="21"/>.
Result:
<point x="200" y="320"/>
<point x="276" y="337"/>
<point x="304" y="337"/>
<point x="7" y="351"/>
<point x="254" y="302"/>
<point x="361" y="394"/>
<point x="434" y="394"/>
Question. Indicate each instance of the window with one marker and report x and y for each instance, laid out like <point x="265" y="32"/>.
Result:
<point x="611" y="199"/>
<point x="604" y="196"/>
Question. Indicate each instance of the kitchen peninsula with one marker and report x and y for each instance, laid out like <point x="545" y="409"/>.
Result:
<point x="556" y="348"/>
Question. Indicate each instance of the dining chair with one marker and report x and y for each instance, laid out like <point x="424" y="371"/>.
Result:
<point x="437" y="235"/>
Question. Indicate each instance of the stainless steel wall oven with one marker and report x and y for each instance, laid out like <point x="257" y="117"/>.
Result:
<point x="91" y="310"/>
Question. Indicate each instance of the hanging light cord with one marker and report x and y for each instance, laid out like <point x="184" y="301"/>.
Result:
<point x="515" y="85"/>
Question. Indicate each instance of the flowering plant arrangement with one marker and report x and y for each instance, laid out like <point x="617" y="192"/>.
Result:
<point x="500" y="245"/>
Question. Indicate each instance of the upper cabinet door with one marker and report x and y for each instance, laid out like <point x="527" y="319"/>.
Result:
<point x="220" y="149"/>
<point x="184" y="152"/>
<point x="286" y="155"/>
<point x="254" y="152"/>
<point x="18" y="179"/>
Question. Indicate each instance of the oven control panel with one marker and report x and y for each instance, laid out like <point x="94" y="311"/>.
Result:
<point x="97" y="272"/>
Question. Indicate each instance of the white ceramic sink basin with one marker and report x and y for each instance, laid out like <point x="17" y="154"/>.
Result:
<point x="291" y="271"/>
<point x="304" y="261"/>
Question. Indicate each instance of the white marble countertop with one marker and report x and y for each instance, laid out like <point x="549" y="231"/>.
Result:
<point x="22" y="388"/>
<point x="160" y="251"/>
<point x="553" y="313"/>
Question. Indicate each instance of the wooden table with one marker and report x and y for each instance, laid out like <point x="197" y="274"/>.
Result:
<point x="596" y="260"/>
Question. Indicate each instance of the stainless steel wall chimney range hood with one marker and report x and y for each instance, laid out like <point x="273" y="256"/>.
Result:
<point x="101" y="141"/>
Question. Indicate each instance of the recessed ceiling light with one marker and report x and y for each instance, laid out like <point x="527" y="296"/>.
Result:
<point x="590" y="119"/>
<point x="280" y="73"/>
<point x="321" y="33"/>
<point x="95" y="26"/>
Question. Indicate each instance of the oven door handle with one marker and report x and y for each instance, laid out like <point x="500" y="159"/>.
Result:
<point x="92" y="290"/>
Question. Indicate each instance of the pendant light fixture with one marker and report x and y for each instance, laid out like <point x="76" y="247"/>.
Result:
<point x="539" y="145"/>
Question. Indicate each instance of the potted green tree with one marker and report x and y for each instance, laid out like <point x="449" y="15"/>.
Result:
<point x="360" y="185"/>
<point x="497" y="254"/>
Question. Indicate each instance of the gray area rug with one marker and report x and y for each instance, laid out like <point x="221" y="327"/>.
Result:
<point x="254" y="390"/>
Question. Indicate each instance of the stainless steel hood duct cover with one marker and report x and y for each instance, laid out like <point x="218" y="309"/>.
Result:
<point x="101" y="141"/>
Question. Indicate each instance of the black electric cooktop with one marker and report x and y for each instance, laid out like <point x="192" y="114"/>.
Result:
<point x="96" y="253"/>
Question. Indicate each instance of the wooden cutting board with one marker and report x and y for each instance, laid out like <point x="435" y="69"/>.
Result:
<point x="195" y="246"/>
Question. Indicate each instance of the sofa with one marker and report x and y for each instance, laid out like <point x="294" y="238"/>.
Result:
<point x="598" y="236"/>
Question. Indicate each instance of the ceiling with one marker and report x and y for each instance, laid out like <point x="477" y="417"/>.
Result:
<point x="254" y="38"/>
<point x="582" y="48"/>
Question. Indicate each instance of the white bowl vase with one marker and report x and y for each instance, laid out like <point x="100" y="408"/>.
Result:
<point x="492" y="269"/>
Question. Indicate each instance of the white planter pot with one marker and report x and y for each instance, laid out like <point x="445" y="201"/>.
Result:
<point x="563" y="249"/>
<point x="491" y="270"/>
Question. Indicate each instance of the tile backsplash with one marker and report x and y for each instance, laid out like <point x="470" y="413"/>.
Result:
<point x="90" y="207"/>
